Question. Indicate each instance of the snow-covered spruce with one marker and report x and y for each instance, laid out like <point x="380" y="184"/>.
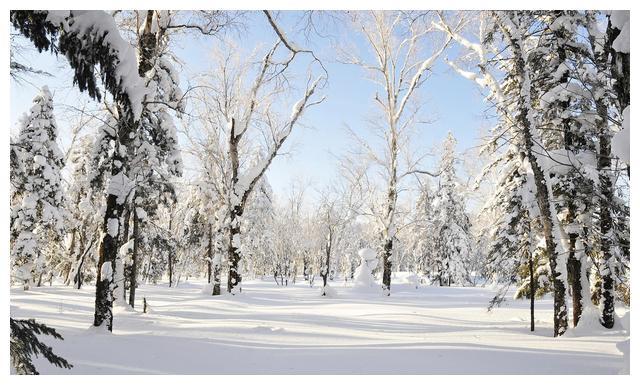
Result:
<point x="37" y="203"/>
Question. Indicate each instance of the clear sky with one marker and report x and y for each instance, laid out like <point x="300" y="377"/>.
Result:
<point x="450" y="102"/>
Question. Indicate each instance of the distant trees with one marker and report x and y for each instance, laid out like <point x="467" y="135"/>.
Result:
<point x="84" y="219"/>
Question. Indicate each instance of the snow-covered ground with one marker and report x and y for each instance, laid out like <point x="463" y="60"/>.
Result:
<point x="272" y="329"/>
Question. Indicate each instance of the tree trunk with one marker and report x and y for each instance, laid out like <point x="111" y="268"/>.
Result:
<point x="107" y="262"/>
<point x="386" y="264"/>
<point x="120" y="279"/>
<point x="115" y="205"/>
<point x="532" y="292"/>
<point x="392" y="196"/>
<point x="72" y="250"/>
<point x="216" y="279"/>
<point x="77" y="279"/>
<point x="325" y="270"/>
<point x="234" y="277"/>
<point x="209" y="254"/>
<point x="233" y="254"/>
<point x="170" y="262"/>
<point x="574" y="270"/>
<point x="607" y="270"/>
<point x="133" y="279"/>
<point x="560" y="322"/>
<point x="542" y="194"/>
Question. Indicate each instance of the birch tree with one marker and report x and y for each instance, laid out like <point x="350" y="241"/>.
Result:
<point x="399" y="66"/>
<point x="242" y="121"/>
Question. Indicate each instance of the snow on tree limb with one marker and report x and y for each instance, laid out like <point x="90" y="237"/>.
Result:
<point x="426" y="65"/>
<point x="248" y="180"/>
<point x="485" y="78"/>
<point x="88" y="39"/>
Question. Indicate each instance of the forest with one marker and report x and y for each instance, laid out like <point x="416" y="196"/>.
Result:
<point x="153" y="205"/>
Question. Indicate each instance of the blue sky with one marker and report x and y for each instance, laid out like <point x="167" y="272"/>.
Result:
<point x="450" y="102"/>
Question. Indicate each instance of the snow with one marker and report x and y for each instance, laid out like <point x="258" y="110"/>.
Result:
<point x="102" y="24"/>
<point x="620" y="19"/>
<point x="106" y="271"/>
<point x="620" y="144"/>
<point x="120" y="186"/>
<point x="113" y="225"/>
<point x="142" y="215"/>
<point x="293" y="330"/>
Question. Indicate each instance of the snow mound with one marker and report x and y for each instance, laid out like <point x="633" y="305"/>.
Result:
<point x="363" y="278"/>
<point x="589" y="322"/>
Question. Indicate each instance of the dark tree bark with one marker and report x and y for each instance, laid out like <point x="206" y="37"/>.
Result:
<point x="386" y="266"/>
<point x="72" y="251"/>
<point x="606" y="191"/>
<point x="170" y="263"/>
<point x="133" y="279"/>
<point x="77" y="279"/>
<point x="209" y="255"/>
<point x="606" y="187"/>
<point x="124" y="238"/>
<point x="108" y="250"/>
<point x="325" y="271"/>
<point x="217" y="269"/>
<point x="233" y="279"/>
<point x="392" y="197"/>
<point x="170" y="255"/>
<point x="532" y="292"/>
<point x="110" y="242"/>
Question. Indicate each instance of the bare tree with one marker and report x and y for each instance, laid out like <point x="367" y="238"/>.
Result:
<point x="334" y="213"/>
<point x="400" y="66"/>
<point x="243" y="126"/>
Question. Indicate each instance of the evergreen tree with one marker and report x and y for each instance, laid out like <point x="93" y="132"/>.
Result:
<point x="24" y="344"/>
<point x="423" y="234"/>
<point x="37" y="215"/>
<point x="452" y="225"/>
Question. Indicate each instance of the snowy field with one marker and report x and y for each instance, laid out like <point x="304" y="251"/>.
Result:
<point x="270" y="329"/>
